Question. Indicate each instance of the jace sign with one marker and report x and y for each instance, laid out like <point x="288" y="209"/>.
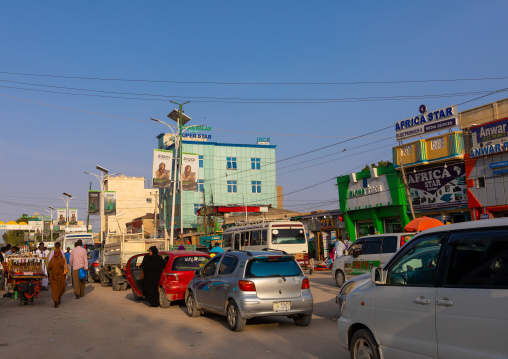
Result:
<point x="427" y="123"/>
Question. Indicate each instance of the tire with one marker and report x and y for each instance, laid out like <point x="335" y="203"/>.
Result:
<point x="163" y="300"/>
<point x="116" y="286"/>
<point x="90" y="278"/>
<point x="363" y="345"/>
<point x="235" y="322"/>
<point x="137" y="298"/>
<point x="124" y="286"/>
<point x="190" y="303"/>
<point x="104" y="280"/>
<point x="303" y="320"/>
<point x="340" y="278"/>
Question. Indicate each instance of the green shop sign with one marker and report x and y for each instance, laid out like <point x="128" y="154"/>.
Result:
<point x="360" y="267"/>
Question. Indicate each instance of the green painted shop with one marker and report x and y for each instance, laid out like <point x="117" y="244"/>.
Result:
<point x="373" y="201"/>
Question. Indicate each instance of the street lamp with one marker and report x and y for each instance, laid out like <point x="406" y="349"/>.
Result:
<point x="51" y="223"/>
<point x="102" y="178"/>
<point x="67" y="199"/>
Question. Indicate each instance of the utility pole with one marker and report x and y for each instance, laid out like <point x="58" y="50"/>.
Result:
<point x="408" y="193"/>
<point x="213" y="210"/>
<point x="88" y="214"/>
<point x="155" y="219"/>
<point x="204" y="208"/>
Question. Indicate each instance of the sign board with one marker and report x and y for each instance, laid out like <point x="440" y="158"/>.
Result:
<point x="263" y="140"/>
<point x="500" y="172"/>
<point x="370" y="192"/>
<point x="499" y="164"/>
<point x="360" y="267"/>
<point x="489" y="138"/>
<point x="327" y="223"/>
<point x="427" y="122"/>
<point x="161" y="168"/>
<point x="438" y="187"/>
<point x="190" y="168"/>
<point x="485" y="216"/>
<point x="94" y="202"/>
<point x="109" y="203"/>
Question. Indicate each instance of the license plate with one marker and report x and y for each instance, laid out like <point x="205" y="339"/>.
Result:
<point x="280" y="306"/>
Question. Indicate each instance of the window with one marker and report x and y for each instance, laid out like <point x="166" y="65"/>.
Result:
<point x="365" y="183"/>
<point x="389" y="244"/>
<point x="480" y="182"/>
<point x="245" y="238"/>
<point x="372" y="246"/>
<point x="211" y="266"/>
<point x="201" y="160"/>
<point x="232" y="187"/>
<point x="255" y="239"/>
<point x="236" y="241"/>
<point x="196" y="207"/>
<point x="264" y="236"/>
<point x="148" y="200"/>
<point x="228" y="265"/>
<point x="479" y="260"/>
<point x="226" y="240"/>
<point x="288" y="236"/>
<point x="256" y="186"/>
<point x="255" y="163"/>
<point x="417" y="266"/>
<point x="356" y="246"/>
<point x="201" y="185"/>
<point x="272" y="266"/>
<point x="231" y="163"/>
<point x="188" y="263"/>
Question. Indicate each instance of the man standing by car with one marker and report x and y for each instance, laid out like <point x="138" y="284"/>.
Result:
<point x="78" y="260"/>
<point x="340" y="247"/>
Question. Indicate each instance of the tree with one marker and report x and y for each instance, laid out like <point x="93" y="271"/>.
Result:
<point x="379" y="164"/>
<point x="14" y="237"/>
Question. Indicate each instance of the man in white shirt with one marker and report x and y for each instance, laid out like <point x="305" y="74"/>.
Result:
<point x="340" y="247"/>
<point x="41" y="253"/>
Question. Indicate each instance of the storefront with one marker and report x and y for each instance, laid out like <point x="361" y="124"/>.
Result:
<point x="372" y="201"/>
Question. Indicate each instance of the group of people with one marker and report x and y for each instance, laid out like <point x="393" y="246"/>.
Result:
<point x="57" y="265"/>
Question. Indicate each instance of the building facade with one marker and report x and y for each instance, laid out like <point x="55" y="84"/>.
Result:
<point x="372" y="201"/>
<point x="227" y="175"/>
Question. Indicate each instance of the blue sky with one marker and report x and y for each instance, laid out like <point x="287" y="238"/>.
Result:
<point x="48" y="139"/>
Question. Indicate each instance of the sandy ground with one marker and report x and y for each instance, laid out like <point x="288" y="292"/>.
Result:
<point x="109" y="324"/>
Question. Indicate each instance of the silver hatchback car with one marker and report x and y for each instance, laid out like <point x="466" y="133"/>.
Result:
<point x="243" y="285"/>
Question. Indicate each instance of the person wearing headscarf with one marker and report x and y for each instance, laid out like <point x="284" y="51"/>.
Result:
<point x="153" y="265"/>
<point x="57" y="267"/>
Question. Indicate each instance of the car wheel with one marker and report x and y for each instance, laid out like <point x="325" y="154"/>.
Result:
<point x="340" y="278"/>
<point x="235" y="322"/>
<point x="104" y="280"/>
<point x="303" y="320"/>
<point x="364" y="346"/>
<point x="136" y="297"/>
<point x="190" y="303"/>
<point x="116" y="285"/>
<point x="124" y="286"/>
<point x="163" y="300"/>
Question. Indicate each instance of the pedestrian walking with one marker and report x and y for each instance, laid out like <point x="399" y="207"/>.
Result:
<point x="153" y="265"/>
<point x="57" y="269"/>
<point x="78" y="260"/>
<point x="3" y="268"/>
<point x="42" y="254"/>
<point x="69" y="268"/>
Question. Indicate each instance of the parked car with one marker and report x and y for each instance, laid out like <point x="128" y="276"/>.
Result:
<point x="367" y="252"/>
<point x="179" y="270"/>
<point x="443" y="295"/>
<point x="93" y="265"/>
<point x="242" y="285"/>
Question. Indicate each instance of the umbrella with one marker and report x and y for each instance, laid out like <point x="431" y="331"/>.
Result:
<point x="422" y="223"/>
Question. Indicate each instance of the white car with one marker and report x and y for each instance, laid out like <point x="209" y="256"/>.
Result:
<point x="443" y="295"/>
<point x="367" y="252"/>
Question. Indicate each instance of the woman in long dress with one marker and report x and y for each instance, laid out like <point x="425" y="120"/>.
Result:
<point x="56" y="268"/>
<point x="153" y="265"/>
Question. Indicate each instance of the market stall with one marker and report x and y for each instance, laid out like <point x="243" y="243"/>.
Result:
<point x="25" y="274"/>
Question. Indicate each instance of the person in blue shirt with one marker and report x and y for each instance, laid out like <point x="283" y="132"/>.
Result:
<point x="216" y="248"/>
<point x="67" y="256"/>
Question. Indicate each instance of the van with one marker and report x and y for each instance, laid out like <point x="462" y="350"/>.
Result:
<point x="442" y="295"/>
<point x="367" y="252"/>
<point x="68" y="239"/>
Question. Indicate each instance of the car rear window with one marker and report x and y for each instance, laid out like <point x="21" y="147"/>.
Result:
<point x="272" y="266"/>
<point x="188" y="263"/>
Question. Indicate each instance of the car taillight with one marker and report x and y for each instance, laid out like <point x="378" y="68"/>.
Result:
<point x="305" y="283"/>
<point x="306" y="256"/>
<point x="247" y="285"/>
<point x="95" y="264"/>
<point x="172" y="277"/>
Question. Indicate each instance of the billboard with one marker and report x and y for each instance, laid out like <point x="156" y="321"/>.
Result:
<point x="190" y="168"/>
<point x="94" y="202"/>
<point x="438" y="187"/>
<point x="161" y="169"/>
<point x="61" y="215"/>
<point x="73" y="216"/>
<point x="490" y="138"/>
<point x="110" y="203"/>
<point x="47" y="227"/>
<point x="427" y="122"/>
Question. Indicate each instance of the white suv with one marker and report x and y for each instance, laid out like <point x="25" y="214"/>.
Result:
<point x="443" y="295"/>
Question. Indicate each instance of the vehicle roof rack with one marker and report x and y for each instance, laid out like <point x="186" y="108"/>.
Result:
<point x="262" y="220"/>
<point x="274" y="250"/>
<point x="239" y="250"/>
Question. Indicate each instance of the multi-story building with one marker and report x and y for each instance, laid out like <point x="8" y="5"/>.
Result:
<point x="228" y="174"/>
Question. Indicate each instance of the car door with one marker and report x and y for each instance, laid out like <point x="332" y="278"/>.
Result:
<point x="388" y="248"/>
<point x="471" y="315"/>
<point x="404" y="307"/>
<point x="369" y="257"/>
<point x="221" y="284"/>
<point x="133" y="273"/>
<point x="203" y="283"/>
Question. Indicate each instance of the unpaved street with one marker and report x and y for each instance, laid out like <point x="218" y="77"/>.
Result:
<point x="108" y="324"/>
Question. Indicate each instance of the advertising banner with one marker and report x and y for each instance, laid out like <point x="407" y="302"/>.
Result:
<point x="427" y="122"/>
<point x="61" y="216"/>
<point x="438" y="187"/>
<point x="47" y="227"/>
<point x="190" y="168"/>
<point x="110" y="203"/>
<point x="73" y="216"/>
<point x="161" y="169"/>
<point x="490" y="138"/>
<point x="368" y="192"/>
<point x="94" y="202"/>
<point x="38" y="228"/>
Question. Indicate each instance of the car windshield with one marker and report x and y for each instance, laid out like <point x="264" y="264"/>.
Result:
<point x="272" y="266"/>
<point x="188" y="263"/>
<point x="288" y="236"/>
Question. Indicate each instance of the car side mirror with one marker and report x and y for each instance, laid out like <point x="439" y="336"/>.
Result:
<point x="197" y="272"/>
<point x="377" y="275"/>
<point x="356" y="253"/>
